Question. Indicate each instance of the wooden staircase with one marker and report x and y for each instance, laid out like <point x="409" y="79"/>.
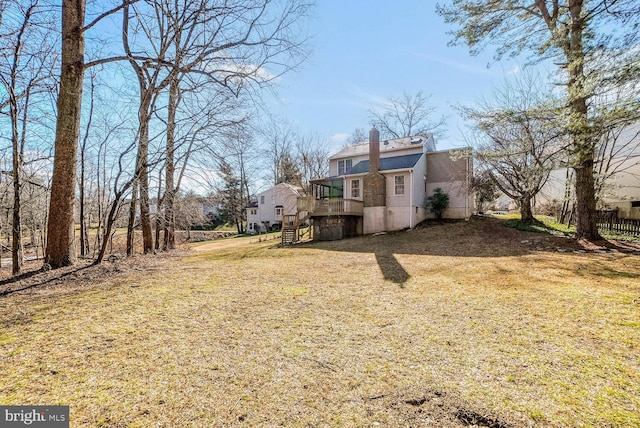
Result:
<point x="291" y="227"/>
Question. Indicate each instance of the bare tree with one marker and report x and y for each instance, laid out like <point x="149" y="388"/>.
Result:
<point x="84" y="236"/>
<point x="237" y="158"/>
<point x="359" y="135"/>
<point x="589" y="40"/>
<point x="152" y="78"/>
<point x="28" y="55"/>
<point x="241" y="46"/>
<point x="407" y="115"/>
<point x="121" y="185"/>
<point x="520" y="139"/>
<point x="278" y="141"/>
<point x="230" y="45"/>
<point x="60" y="233"/>
<point x="312" y="156"/>
<point x="189" y="212"/>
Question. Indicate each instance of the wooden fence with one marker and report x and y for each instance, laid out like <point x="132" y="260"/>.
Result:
<point x="608" y="220"/>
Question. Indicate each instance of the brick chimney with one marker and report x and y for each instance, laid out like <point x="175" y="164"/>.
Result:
<point x="374" y="150"/>
<point x="374" y="192"/>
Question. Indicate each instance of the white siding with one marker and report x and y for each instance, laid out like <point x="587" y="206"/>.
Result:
<point x="460" y="201"/>
<point x="418" y="185"/>
<point x="333" y="163"/>
<point x="394" y="200"/>
<point x="283" y="195"/>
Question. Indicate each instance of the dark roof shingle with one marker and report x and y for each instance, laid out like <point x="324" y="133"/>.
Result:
<point x="387" y="164"/>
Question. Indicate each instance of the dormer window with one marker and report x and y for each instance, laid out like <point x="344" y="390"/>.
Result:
<point x="344" y="166"/>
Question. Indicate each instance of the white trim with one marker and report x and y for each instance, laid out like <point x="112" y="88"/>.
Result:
<point x="395" y="171"/>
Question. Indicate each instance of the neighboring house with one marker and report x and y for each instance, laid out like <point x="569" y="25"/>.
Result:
<point x="265" y="213"/>
<point x="382" y="186"/>
<point x="621" y="187"/>
<point x="620" y="191"/>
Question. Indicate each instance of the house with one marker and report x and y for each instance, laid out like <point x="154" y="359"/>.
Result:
<point x="381" y="186"/>
<point x="617" y="164"/>
<point x="265" y="213"/>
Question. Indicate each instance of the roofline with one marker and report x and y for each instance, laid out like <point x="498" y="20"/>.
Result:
<point x="384" y="171"/>
<point x="363" y="143"/>
<point x="397" y="149"/>
<point x="455" y="149"/>
<point x="391" y="171"/>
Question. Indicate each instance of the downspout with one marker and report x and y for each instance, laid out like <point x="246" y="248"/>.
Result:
<point x="411" y="199"/>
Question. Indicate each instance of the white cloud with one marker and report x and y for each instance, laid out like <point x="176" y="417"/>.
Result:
<point x="237" y="71"/>
<point x="364" y="99"/>
<point x="339" y="138"/>
<point x="461" y="66"/>
<point x="514" y="70"/>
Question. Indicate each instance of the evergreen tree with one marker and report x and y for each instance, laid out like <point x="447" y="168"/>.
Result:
<point x="230" y="197"/>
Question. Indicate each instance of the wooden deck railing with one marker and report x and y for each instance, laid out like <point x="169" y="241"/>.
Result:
<point x="327" y="207"/>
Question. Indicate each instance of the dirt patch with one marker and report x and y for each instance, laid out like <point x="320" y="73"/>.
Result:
<point x="434" y="407"/>
<point x="471" y="418"/>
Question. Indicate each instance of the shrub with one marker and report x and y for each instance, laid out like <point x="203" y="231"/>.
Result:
<point x="438" y="202"/>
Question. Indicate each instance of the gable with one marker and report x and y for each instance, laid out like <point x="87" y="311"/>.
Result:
<point x="446" y="166"/>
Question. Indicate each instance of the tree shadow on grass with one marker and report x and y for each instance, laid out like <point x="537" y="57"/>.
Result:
<point x="478" y="237"/>
<point x="391" y="269"/>
<point x="36" y="278"/>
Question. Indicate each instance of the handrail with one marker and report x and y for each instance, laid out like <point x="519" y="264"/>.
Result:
<point x="333" y="206"/>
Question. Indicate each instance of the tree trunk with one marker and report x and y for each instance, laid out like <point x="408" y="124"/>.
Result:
<point x="132" y="220"/>
<point x="145" y="211"/>
<point x="16" y="246"/>
<point x="16" y="243"/>
<point x="111" y="218"/>
<point x="586" y="214"/>
<point x="60" y="230"/>
<point x="580" y="129"/>
<point x="526" y="213"/>
<point x="170" y="194"/>
<point x="84" y="237"/>
<point x="142" y="169"/>
<point x="159" y="216"/>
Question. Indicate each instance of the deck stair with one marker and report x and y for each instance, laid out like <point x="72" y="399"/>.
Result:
<point x="291" y="227"/>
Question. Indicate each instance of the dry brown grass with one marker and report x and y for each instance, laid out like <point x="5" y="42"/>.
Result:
<point x="447" y="325"/>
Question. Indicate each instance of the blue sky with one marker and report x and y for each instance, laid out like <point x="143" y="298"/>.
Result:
<point x="367" y="50"/>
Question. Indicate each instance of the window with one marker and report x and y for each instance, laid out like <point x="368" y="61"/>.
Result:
<point x="254" y="212"/>
<point x="635" y="204"/>
<point x="399" y="184"/>
<point x="355" y="189"/>
<point x="278" y="211"/>
<point x="261" y="200"/>
<point x="344" y="166"/>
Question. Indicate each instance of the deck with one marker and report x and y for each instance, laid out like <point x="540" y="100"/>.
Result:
<point x="330" y="207"/>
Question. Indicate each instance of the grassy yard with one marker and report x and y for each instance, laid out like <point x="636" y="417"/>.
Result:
<point x="446" y="325"/>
